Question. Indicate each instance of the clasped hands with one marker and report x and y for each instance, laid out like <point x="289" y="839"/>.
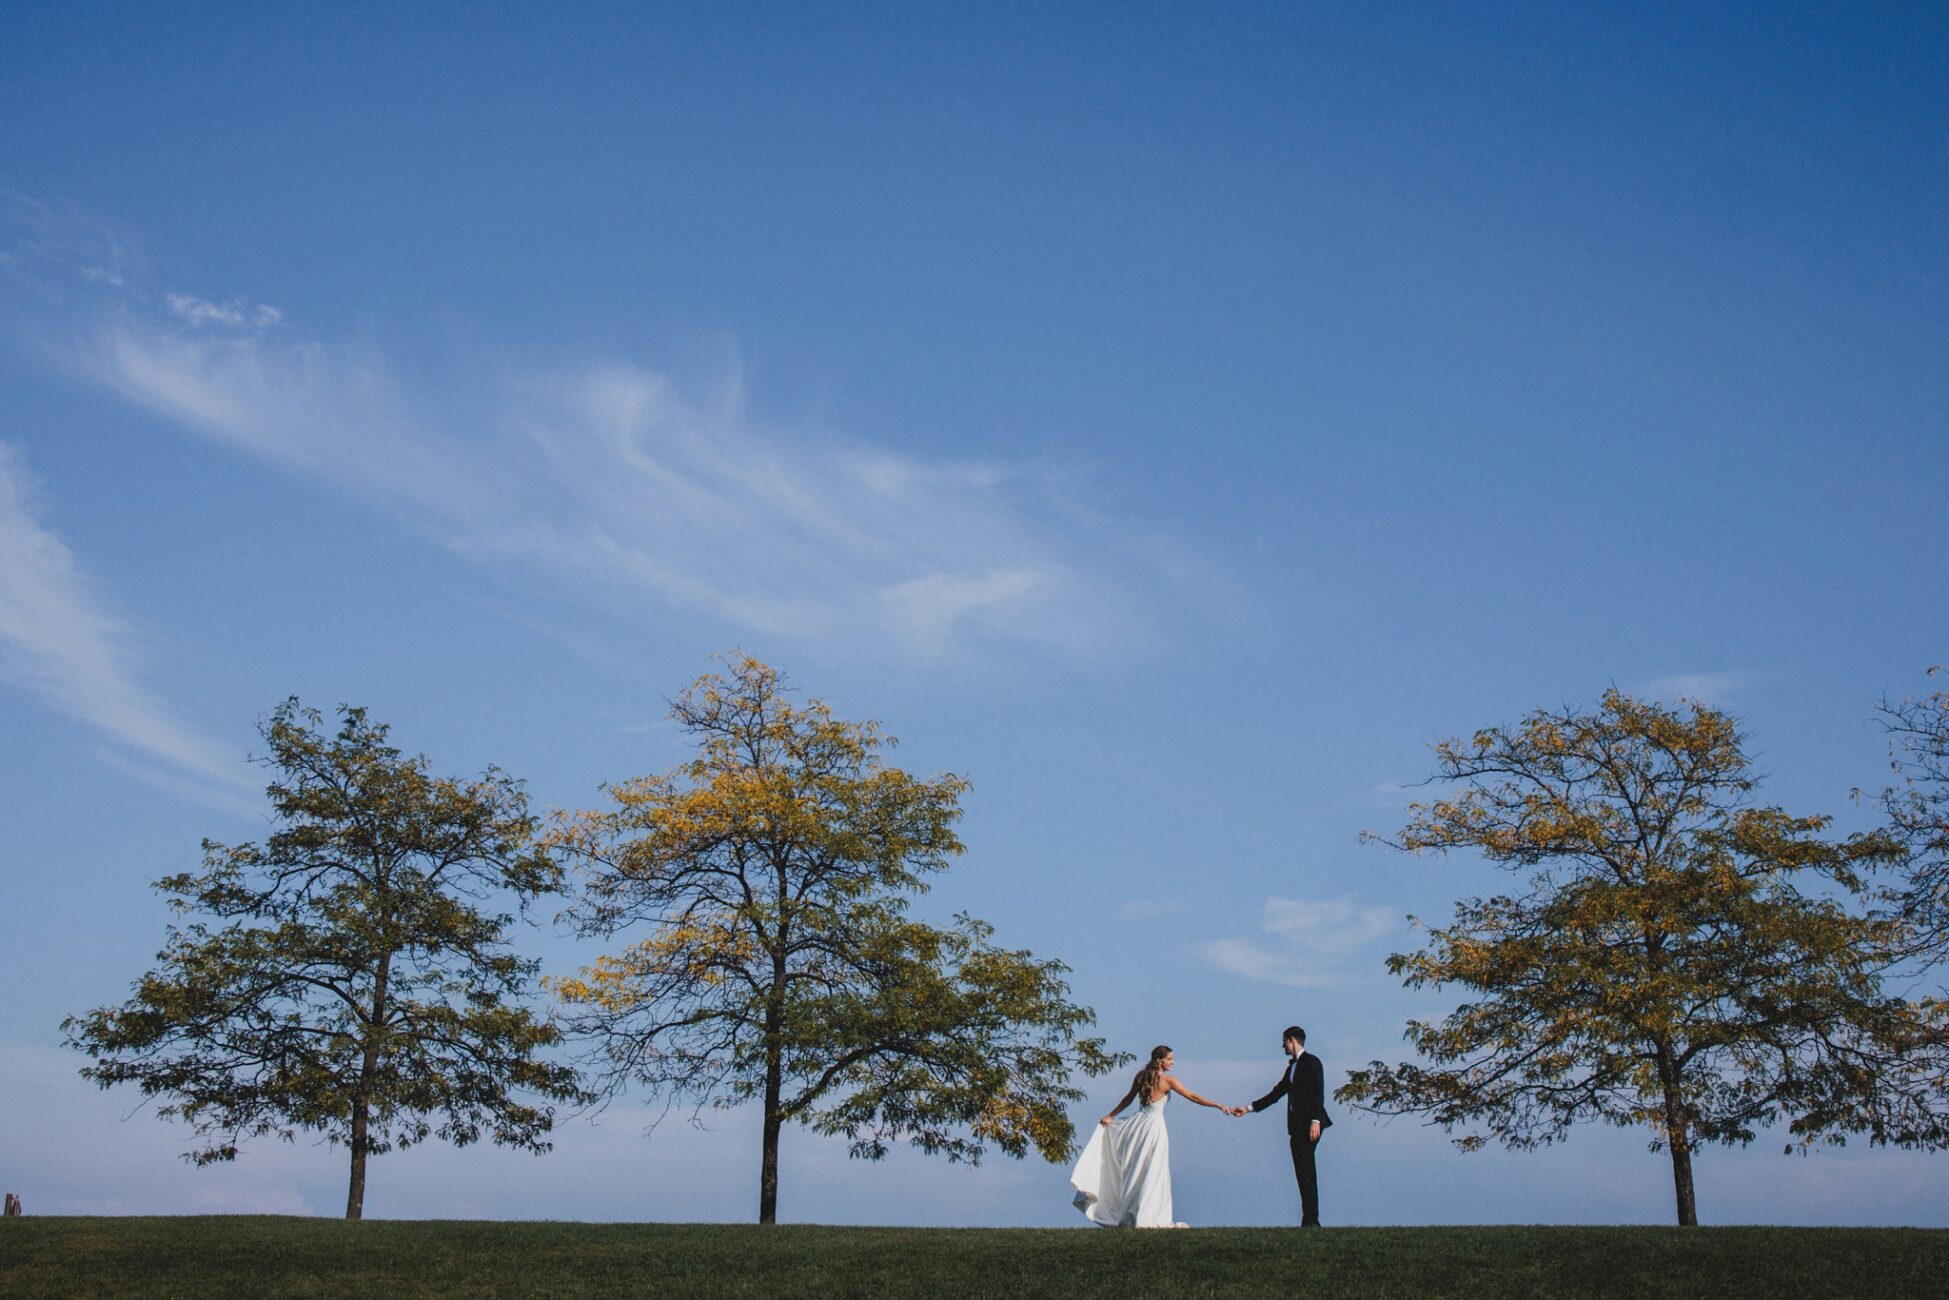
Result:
<point x="1312" y="1130"/>
<point x="1234" y="1111"/>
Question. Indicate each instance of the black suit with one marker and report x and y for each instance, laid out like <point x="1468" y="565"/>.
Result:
<point x="1303" y="1085"/>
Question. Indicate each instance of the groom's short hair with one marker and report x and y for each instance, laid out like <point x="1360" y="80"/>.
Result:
<point x="1294" y="1031"/>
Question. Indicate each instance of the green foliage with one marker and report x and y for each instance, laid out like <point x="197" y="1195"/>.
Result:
<point x="239" y="1255"/>
<point x="349" y="981"/>
<point x="772" y="874"/>
<point x="1678" y="959"/>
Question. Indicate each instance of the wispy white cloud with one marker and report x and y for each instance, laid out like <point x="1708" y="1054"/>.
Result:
<point x="680" y="499"/>
<point x="235" y="313"/>
<point x="57" y="643"/>
<point x="53" y="250"/>
<point x="327" y="414"/>
<point x="1714" y="689"/>
<point x="1307" y="943"/>
<point x="925" y="611"/>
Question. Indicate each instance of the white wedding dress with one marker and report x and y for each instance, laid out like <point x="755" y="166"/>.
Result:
<point x="1123" y="1178"/>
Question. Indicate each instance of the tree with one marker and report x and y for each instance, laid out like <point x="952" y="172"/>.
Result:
<point x="773" y="873"/>
<point x="355" y="985"/>
<point x="1678" y="959"/>
<point x="1917" y="806"/>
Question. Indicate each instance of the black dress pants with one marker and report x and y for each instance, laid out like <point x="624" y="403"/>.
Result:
<point x="1309" y="1180"/>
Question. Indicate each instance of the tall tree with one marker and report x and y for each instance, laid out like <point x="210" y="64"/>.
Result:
<point x="772" y="875"/>
<point x="1678" y="959"/>
<point x="355" y="983"/>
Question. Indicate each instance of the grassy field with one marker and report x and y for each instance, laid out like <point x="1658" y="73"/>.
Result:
<point x="241" y="1256"/>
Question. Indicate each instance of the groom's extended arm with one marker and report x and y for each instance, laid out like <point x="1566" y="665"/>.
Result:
<point x="1278" y="1091"/>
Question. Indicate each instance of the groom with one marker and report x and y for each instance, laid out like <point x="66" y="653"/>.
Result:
<point x="1304" y="1087"/>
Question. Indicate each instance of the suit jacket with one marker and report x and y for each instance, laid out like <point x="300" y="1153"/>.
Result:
<point x="1304" y="1088"/>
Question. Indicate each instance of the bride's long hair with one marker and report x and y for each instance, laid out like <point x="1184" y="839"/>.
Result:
<point x="1147" y="1078"/>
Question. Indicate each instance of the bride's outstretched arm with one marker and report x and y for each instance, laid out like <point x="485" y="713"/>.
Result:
<point x="1189" y="1095"/>
<point x="1120" y="1105"/>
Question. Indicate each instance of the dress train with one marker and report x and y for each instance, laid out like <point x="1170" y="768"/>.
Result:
<point x="1123" y="1177"/>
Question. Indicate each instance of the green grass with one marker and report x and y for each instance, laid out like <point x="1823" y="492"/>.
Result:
<point x="242" y="1256"/>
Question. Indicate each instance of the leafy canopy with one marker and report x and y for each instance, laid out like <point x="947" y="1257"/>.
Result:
<point x="350" y="978"/>
<point x="771" y="877"/>
<point x="1676" y="958"/>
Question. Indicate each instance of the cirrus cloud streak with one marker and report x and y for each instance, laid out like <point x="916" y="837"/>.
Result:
<point x="1303" y="943"/>
<point x="59" y="644"/>
<point x="614" y="476"/>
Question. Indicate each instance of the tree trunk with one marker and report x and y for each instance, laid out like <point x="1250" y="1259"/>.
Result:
<point x="362" y="1096"/>
<point x="355" y="1194"/>
<point x="1678" y="1136"/>
<point x="774" y="1091"/>
<point x="768" y="1173"/>
<point x="774" y="1063"/>
<point x="1688" y="1210"/>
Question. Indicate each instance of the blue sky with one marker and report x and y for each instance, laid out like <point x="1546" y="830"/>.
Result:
<point x="1173" y="418"/>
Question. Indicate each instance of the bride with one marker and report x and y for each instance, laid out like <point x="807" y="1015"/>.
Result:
<point x="1123" y="1178"/>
